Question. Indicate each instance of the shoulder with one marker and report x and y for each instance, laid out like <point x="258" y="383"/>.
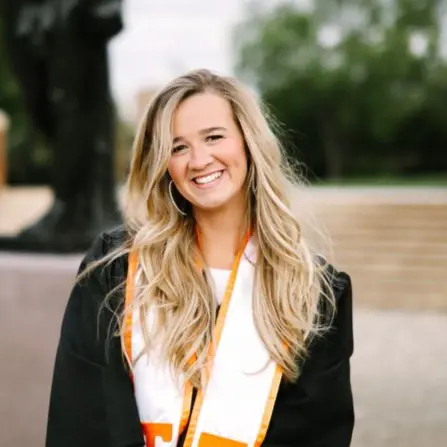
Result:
<point x="337" y="342"/>
<point x="107" y="267"/>
<point x="103" y="245"/>
<point x="107" y="241"/>
<point x="341" y="284"/>
<point x="340" y="280"/>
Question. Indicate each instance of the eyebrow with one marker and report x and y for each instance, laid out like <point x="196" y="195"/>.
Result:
<point x="203" y="132"/>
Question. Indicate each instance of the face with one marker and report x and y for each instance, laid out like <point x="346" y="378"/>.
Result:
<point x="208" y="163"/>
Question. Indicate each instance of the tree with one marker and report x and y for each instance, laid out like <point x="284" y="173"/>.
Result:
<point x="345" y="76"/>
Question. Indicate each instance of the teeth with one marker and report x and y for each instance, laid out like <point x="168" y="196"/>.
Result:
<point x="208" y="178"/>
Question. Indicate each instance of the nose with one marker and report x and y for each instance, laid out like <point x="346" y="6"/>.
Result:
<point x="200" y="157"/>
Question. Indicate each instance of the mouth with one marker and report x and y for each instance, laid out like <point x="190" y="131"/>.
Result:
<point x="208" y="179"/>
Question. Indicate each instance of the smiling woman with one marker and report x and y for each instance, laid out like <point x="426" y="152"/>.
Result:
<point x="229" y="329"/>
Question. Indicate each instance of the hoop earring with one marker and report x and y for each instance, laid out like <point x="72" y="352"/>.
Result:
<point x="172" y="199"/>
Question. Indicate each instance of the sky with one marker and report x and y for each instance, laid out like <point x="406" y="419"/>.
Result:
<point x="164" y="38"/>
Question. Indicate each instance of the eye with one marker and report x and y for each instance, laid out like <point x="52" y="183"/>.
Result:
<point x="179" y="148"/>
<point x="213" y="138"/>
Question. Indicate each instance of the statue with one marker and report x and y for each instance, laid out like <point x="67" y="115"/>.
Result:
<point x="58" y="52"/>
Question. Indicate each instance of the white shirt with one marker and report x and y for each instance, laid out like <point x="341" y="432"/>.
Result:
<point x="219" y="282"/>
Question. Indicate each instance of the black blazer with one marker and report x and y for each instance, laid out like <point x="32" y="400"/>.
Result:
<point x="92" y="402"/>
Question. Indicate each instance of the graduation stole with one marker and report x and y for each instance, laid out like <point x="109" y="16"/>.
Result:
<point x="236" y="404"/>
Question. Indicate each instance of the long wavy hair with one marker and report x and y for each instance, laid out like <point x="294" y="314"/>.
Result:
<point x="290" y="284"/>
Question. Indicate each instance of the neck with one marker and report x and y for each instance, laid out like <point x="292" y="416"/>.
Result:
<point x="221" y="234"/>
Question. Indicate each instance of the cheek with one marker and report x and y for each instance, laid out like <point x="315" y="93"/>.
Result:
<point x="175" y="170"/>
<point x="239" y="161"/>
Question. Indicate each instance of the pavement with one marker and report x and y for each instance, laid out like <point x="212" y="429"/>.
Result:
<point x="399" y="379"/>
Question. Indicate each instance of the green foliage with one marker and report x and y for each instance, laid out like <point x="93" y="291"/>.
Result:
<point x="363" y="102"/>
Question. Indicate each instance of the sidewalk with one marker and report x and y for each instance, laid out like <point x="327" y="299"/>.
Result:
<point x="399" y="377"/>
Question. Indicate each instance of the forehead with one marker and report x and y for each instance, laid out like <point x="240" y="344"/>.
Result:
<point x="202" y="111"/>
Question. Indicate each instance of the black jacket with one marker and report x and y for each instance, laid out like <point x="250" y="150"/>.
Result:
<point x="92" y="402"/>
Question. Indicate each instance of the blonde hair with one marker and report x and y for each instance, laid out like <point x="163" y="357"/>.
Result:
<point x="289" y="284"/>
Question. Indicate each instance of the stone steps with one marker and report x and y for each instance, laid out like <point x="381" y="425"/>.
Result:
<point x="396" y="253"/>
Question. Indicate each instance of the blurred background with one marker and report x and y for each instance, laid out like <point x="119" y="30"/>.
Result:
<point x="359" y="89"/>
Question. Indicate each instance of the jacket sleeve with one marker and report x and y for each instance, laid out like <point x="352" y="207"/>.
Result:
<point x="327" y="376"/>
<point x="92" y="401"/>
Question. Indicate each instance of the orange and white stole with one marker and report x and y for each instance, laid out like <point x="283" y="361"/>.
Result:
<point x="236" y="405"/>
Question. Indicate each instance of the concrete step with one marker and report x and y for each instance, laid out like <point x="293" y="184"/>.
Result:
<point x="396" y="213"/>
<point x="388" y="223"/>
<point x="437" y="246"/>
<point x="383" y="270"/>
<point x="372" y="256"/>
<point x="387" y="297"/>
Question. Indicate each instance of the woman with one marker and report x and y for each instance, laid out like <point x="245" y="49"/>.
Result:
<point x="228" y="331"/>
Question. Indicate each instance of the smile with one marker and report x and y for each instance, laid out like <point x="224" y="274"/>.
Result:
<point x="204" y="180"/>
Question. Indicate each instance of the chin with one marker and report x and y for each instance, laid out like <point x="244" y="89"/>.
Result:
<point x="212" y="205"/>
<point x="216" y="200"/>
